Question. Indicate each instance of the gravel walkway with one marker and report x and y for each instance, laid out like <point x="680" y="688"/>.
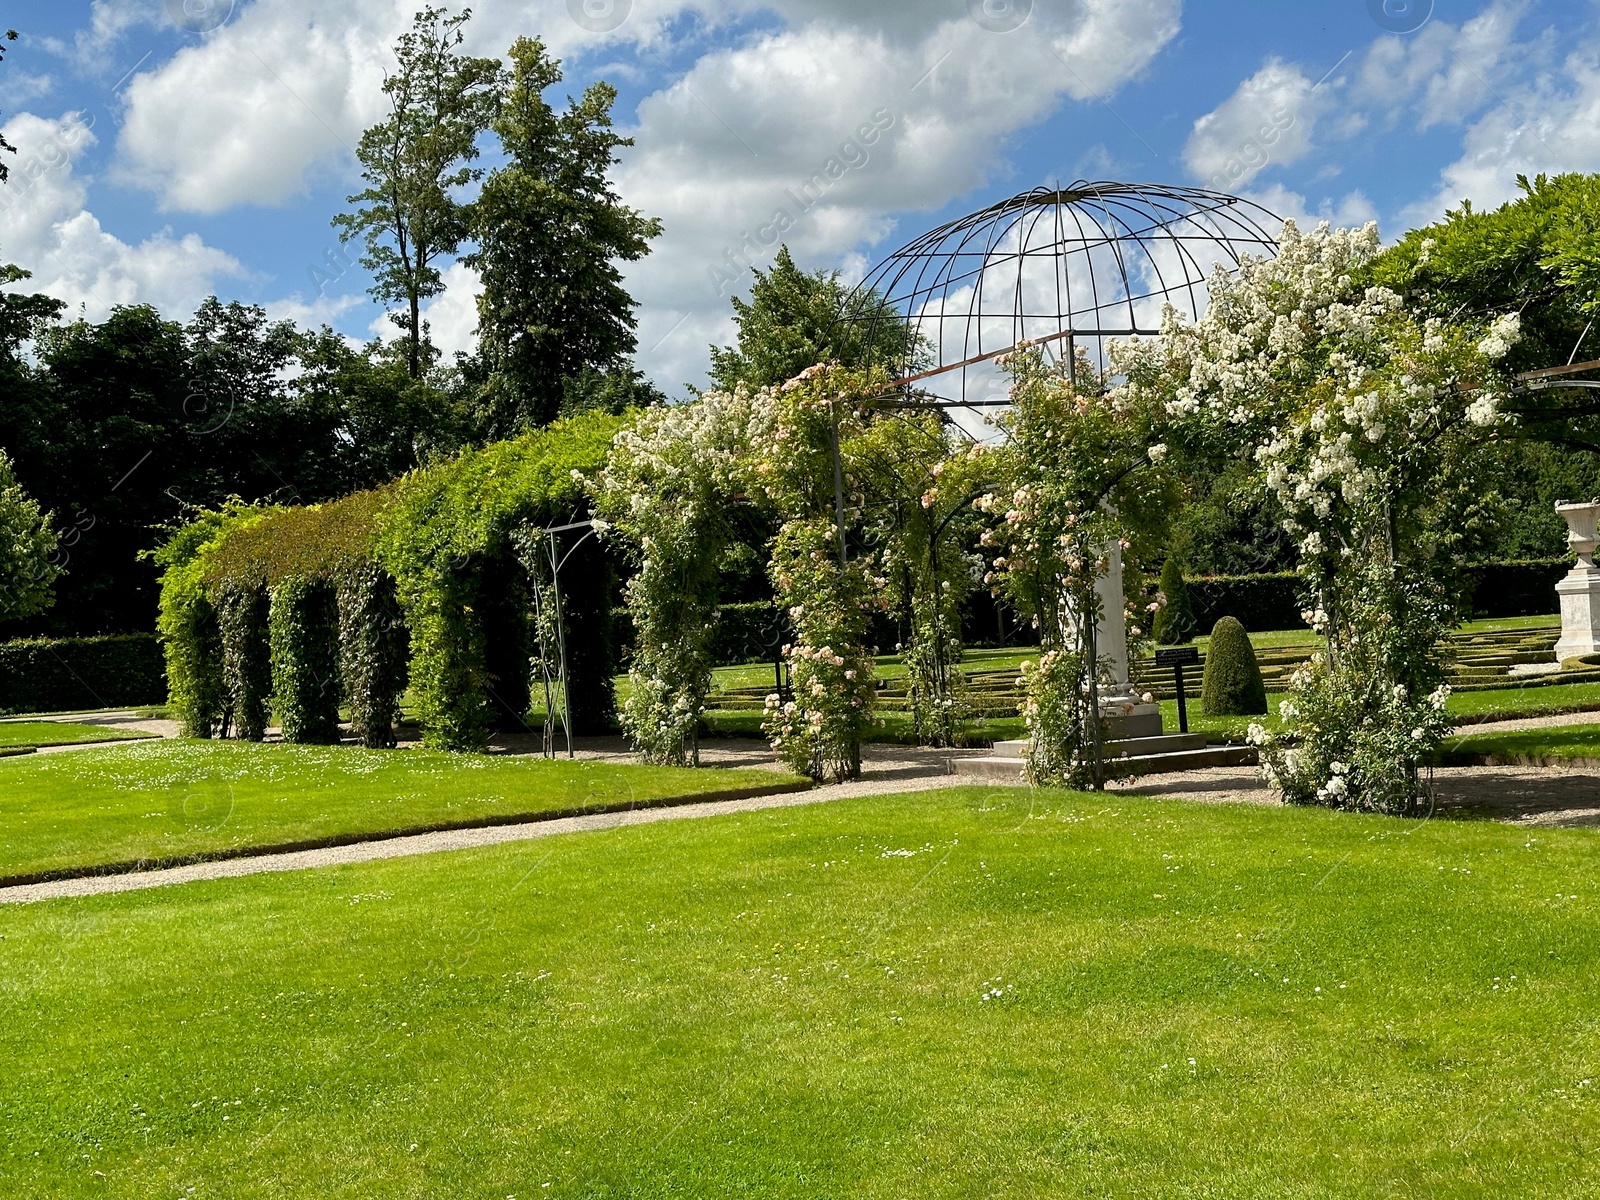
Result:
<point x="1539" y="796"/>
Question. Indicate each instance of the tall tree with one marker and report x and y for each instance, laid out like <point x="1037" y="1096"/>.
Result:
<point x="550" y="231"/>
<point x="795" y="319"/>
<point x="5" y="171"/>
<point x="413" y="161"/>
<point x="27" y="549"/>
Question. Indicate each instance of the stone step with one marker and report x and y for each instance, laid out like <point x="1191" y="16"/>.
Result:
<point x="1008" y="769"/>
<point x="1185" y="760"/>
<point x="990" y="770"/>
<point x="1165" y="743"/>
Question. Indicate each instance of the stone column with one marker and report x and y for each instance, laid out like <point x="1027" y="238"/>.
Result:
<point x="1126" y="715"/>
<point x="1111" y="634"/>
<point x="1580" y="590"/>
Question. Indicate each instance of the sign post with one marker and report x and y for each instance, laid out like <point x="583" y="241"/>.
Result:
<point x="1177" y="658"/>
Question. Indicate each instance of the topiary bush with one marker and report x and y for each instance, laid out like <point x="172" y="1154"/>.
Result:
<point x="303" y="628"/>
<point x="246" y="662"/>
<point x="1233" y="686"/>
<point x="1174" y="624"/>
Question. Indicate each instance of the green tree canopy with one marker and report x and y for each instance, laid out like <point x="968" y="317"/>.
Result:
<point x="27" y="549"/>
<point x="413" y="161"/>
<point x="795" y="319"/>
<point x="550" y="231"/>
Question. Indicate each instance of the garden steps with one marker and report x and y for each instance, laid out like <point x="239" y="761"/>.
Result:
<point x="1156" y="755"/>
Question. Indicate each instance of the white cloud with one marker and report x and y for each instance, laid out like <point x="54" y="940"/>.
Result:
<point x="1550" y="125"/>
<point x="250" y="113"/>
<point x="311" y="314"/>
<point x="814" y="135"/>
<point x="1443" y="74"/>
<point x="1270" y="118"/>
<point x="49" y="231"/>
<point x="256" y="110"/>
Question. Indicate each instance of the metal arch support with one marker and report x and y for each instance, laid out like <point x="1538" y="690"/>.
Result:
<point x="551" y="546"/>
<point x="1070" y="265"/>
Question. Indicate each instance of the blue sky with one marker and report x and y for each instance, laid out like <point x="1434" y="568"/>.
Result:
<point x="170" y="149"/>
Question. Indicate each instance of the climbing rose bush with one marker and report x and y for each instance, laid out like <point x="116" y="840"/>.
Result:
<point x="794" y="432"/>
<point x="1363" y="423"/>
<point x="665" y="493"/>
<point x="1084" y="468"/>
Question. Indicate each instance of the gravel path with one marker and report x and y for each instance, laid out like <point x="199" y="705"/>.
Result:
<point x="1535" y="796"/>
<point x="1539" y="796"/>
<point x="1549" y="721"/>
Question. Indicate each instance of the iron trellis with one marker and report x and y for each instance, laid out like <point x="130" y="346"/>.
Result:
<point x="1063" y="268"/>
<point x="543" y="549"/>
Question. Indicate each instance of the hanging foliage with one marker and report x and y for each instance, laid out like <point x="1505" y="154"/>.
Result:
<point x="190" y="636"/>
<point x="304" y="637"/>
<point x="372" y="652"/>
<point x="242" y="610"/>
<point x="450" y="525"/>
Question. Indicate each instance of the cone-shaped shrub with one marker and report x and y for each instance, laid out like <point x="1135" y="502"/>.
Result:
<point x="1233" y="686"/>
<point x="1174" y="624"/>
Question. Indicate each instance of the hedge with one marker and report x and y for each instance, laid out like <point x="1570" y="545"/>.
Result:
<point x="120" y="671"/>
<point x="1522" y="588"/>
<point x="1259" y="602"/>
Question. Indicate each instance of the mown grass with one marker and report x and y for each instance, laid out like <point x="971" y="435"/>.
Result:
<point x="959" y="994"/>
<point x="165" y="800"/>
<point x="1557" y="742"/>
<point x="59" y="733"/>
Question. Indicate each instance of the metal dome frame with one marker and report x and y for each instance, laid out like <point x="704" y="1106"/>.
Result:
<point x="987" y="282"/>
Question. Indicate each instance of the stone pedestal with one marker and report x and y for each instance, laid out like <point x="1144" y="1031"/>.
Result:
<point x="1126" y="715"/>
<point x="1580" y="590"/>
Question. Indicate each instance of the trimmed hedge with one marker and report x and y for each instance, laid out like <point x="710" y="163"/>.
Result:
<point x="1523" y="588"/>
<point x="1233" y="686"/>
<point x="1259" y="602"/>
<point x="42" y="675"/>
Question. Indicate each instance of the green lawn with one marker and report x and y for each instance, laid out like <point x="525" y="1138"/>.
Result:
<point x="972" y="993"/>
<point x="1562" y="741"/>
<point x="58" y="733"/>
<point x="167" y="800"/>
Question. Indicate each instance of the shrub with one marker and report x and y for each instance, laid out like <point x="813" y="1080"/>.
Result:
<point x="372" y="653"/>
<point x="303" y="632"/>
<point x="246" y="662"/>
<point x="1233" y="686"/>
<point x="1174" y="624"/>
<point x="43" y="675"/>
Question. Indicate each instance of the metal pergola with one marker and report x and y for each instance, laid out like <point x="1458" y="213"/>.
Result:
<point x="1066" y="269"/>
